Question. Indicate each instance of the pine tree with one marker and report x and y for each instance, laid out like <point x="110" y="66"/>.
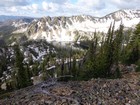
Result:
<point x="106" y="58"/>
<point x="74" y="69"/>
<point x="35" y="69"/>
<point x="31" y="60"/>
<point x="43" y="68"/>
<point x="3" y="62"/>
<point x="117" y="52"/>
<point x="22" y="79"/>
<point x="133" y="48"/>
<point x="29" y="74"/>
<point x="62" y="68"/>
<point x="90" y="64"/>
<point x="113" y="48"/>
<point x="102" y="61"/>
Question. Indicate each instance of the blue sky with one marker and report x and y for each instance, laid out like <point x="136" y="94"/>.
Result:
<point x="40" y="8"/>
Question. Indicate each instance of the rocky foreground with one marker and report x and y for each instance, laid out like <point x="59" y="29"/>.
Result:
<point x="125" y="91"/>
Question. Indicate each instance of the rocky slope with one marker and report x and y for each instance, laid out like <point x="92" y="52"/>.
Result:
<point x="125" y="91"/>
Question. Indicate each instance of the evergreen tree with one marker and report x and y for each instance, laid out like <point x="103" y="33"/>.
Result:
<point x="44" y="69"/>
<point x="29" y="74"/>
<point x="102" y="61"/>
<point x="35" y="69"/>
<point x="3" y="62"/>
<point x="22" y="79"/>
<point x="31" y="60"/>
<point x="74" y="69"/>
<point x="62" y="68"/>
<point x="133" y="48"/>
<point x="90" y="64"/>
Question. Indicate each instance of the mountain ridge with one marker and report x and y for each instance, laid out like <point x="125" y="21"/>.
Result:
<point x="64" y="28"/>
<point x="71" y="28"/>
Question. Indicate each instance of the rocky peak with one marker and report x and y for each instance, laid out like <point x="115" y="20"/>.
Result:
<point x="62" y="27"/>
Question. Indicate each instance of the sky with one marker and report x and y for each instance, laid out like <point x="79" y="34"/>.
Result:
<point x="40" y="8"/>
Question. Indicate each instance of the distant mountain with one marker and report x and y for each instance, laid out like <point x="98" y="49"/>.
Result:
<point x="5" y="17"/>
<point x="72" y="28"/>
<point x="8" y="27"/>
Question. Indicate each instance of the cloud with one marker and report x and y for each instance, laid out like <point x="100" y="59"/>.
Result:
<point x="92" y="5"/>
<point x="41" y="8"/>
<point x="125" y="3"/>
<point x="34" y="8"/>
<point x="88" y="3"/>
<point x="13" y="9"/>
<point x="88" y="7"/>
<point x="8" y="3"/>
<point x="59" y="1"/>
<point x="50" y="6"/>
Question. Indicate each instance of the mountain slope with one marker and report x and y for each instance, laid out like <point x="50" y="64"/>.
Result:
<point x="71" y="28"/>
<point x="12" y="27"/>
<point x="67" y="28"/>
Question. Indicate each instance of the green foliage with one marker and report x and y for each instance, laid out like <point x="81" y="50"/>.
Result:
<point x="5" y="95"/>
<point x="35" y="69"/>
<point x="133" y="48"/>
<point x="29" y="74"/>
<point x="3" y="65"/>
<point x="74" y="70"/>
<point x="102" y="61"/>
<point x="90" y="64"/>
<point x="22" y="77"/>
<point x="43" y="68"/>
